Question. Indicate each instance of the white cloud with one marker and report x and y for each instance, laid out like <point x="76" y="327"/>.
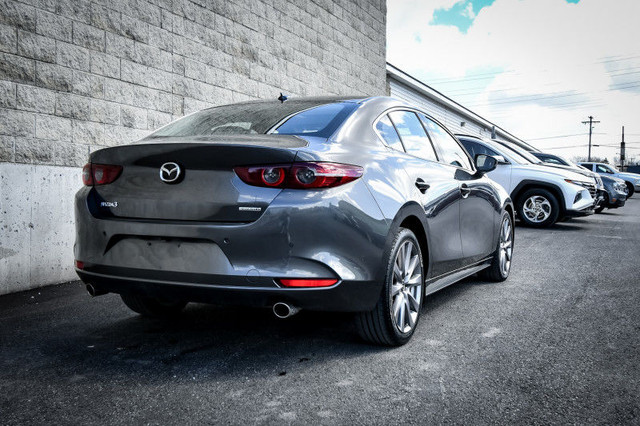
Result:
<point x="560" y="63"/>
<point x="468" y="11"/>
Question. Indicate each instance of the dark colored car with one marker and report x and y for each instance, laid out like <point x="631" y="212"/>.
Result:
<point x="359" y="205"/>
<point x="615" y="194"/>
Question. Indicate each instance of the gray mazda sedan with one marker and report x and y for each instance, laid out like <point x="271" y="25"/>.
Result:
<point x="357" y="205"/>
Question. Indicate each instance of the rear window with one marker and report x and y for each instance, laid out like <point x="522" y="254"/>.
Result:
<point x="319" y="121"/>
<point x="307" y="118"/>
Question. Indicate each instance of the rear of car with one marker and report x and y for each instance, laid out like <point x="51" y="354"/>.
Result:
<point x="230" y="206"/>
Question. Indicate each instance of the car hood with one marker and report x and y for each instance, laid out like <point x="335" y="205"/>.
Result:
<point x="571" y="169"/>
<point x="555" y="172"/>
<point x="627" y="175"/>
<point x="611" y="179"/>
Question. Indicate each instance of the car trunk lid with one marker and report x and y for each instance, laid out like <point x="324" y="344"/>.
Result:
<point x="206" y="187"/>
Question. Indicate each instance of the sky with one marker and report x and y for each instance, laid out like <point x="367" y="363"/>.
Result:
<point x="536" y="68"/>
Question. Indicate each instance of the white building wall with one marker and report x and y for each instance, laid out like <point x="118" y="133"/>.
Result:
<point x="36" y="224"/>
<point x="450" y="118"/>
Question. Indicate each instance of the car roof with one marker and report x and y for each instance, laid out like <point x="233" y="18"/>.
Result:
<point x="311" y="99"/>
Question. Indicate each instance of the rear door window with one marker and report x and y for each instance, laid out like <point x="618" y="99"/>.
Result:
<point x="388" y="133"/>
<point x="414" y="138"/>
<point x="449" y="149"/>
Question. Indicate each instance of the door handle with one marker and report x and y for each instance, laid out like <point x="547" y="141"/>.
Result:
<point x="465" y="190"/>
<point x="422" y="185"/>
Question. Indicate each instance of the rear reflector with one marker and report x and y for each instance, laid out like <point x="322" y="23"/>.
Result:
<point x="307" y="282"/>
<point x="299" y="175"/>
<point x="100" y="174"/>
<point x="79" y="264"/>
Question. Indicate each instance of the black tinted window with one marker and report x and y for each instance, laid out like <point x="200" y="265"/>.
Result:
<point x="388" y="133"/>
<point x="550" y="160"/>
<point x="313" y="118"/>
<point x="414" y="138"/>
<point x="474" y="148"/>
<point x="603" y="169"/>
<point x="448" y="148"/>
<point x="319" y="121"/>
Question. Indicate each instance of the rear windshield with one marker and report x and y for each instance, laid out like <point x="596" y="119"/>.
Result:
<point x="308" y="118"/>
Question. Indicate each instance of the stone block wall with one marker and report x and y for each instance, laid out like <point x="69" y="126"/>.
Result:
<point x="80" y="75"/>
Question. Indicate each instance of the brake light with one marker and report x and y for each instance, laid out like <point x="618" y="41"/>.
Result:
<point x="299" y="175"/>
<point x="100" y="174"/>
<point x="307" y="282"/>
<point x="79" y="264"/>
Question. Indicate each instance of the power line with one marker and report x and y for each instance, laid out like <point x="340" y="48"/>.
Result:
<point x="562" y="136"/>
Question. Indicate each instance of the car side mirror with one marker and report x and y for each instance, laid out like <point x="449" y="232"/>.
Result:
<point x="485" y="163"/>
<point x="500" y="159"/>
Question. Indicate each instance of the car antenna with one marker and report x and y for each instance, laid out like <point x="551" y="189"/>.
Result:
<point x="493" y="133"/>
<point x="282" y="98"/>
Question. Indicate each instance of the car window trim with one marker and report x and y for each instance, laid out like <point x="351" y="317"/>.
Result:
<point x="471" y="160"/>
<point x="416" y="110"/>
<point x="435" y="152"/>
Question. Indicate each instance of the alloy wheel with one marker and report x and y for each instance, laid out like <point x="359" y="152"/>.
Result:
<point x="406" y="289"/>
<point x="537" y="208"/>
<point x="506" y="246"/>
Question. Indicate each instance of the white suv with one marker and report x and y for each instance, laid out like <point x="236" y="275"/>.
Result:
<point x="541" y="194"/>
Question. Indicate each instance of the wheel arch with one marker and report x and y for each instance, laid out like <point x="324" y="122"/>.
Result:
<point x="526" y="185"/>
<point x="411" y="216"/>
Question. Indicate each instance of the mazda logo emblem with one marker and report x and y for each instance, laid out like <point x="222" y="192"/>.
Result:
<point x="170" y="172"/>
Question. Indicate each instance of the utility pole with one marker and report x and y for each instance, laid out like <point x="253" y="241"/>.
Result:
<point x="622" y="146"/>
<point x="591" y="123"/>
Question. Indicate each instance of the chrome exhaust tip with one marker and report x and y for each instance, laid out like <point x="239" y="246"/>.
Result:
<point x="93" y="291"/>
<point x="284" y="310"/>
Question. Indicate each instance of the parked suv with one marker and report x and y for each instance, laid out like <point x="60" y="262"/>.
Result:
<point x="632" y="180"/>
<point x="541" y="194"/>
<point x="602" y="199"/>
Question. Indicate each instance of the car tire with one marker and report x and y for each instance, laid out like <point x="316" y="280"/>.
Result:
<point x="152" y="307"/>
<point x="530" y="200"/>
<point x="604" y="204"/>
<point x="501" y="260"/>
<point x="396" y="315"/>
<point x="631" y="189"/>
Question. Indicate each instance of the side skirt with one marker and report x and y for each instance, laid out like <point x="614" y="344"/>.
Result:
<point x="442" y="281"/>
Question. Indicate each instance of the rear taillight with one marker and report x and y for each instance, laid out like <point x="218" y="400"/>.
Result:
<point x="307" y="282"/>
<point x="299" y="175"/>
<point x="100" y="174"/>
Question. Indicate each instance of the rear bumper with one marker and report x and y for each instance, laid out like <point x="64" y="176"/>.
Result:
<point x="335" y="234"/>
<point x="345" y="296"/>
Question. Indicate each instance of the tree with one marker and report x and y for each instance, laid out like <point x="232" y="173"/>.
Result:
<point x="583" y="158"/>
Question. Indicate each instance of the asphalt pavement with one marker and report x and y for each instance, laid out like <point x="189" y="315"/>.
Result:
<point x="559" y="342"/>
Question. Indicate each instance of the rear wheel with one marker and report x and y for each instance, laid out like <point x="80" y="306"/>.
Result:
<point x="538" y="208"/>
<point x="394" y="319"/>
<point x="152" y="307"/>
<point x="501" y="262"/>
<point x="630" y="188"/>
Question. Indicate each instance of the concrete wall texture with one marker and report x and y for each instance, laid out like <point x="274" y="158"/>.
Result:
<point x="80" y="75"/>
